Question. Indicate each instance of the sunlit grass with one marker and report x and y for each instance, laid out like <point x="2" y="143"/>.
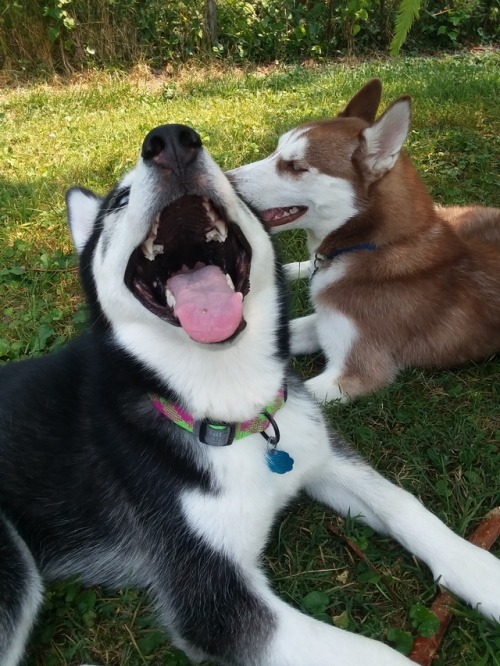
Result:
<point x="435" y="433"/>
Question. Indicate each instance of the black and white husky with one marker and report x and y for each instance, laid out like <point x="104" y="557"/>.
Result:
<point x="158" y="449"/>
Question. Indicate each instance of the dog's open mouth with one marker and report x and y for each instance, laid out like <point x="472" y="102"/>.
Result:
<point x="193" y="270"/>
<point x="276" y="217"/>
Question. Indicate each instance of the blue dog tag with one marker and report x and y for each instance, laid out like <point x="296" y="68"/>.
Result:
<point x="279" y="462"/>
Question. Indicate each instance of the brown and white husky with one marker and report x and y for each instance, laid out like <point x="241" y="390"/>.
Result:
<point x="396" y="281"/>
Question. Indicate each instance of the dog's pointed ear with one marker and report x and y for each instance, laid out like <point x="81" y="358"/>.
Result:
<point x="82" y="207"/>
<point x="382" y="142"/>
<point x="365" y="102"/>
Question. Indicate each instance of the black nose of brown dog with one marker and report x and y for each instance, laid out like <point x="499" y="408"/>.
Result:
<point x="171" y="147"/>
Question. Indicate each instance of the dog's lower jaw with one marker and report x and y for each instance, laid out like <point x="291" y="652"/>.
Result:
<point x="282" y="217"/>
<point x="198" y="373"/>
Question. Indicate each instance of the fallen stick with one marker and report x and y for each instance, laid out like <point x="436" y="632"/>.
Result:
<point x="424" y="649"/>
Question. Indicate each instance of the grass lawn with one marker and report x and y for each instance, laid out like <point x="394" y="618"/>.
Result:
<point x="435" y="433"/>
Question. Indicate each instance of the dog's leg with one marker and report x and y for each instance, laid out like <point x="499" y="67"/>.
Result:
<point x="334" y="385"/>
<point x="300" y="640"/>
<point x="298" y="269"/>
<point x="349" y="485"/>
<point x="337" y="336"/>
<point x="304" y="336"/>
<point x="225" y="612"/>
<point x="20" y="594"/>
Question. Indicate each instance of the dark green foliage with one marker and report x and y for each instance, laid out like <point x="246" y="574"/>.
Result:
<point x="63" y="35"/>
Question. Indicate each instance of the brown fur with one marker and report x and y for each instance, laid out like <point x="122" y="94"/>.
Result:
<point x="474" y="222"/>
<point x="429" y="295"/>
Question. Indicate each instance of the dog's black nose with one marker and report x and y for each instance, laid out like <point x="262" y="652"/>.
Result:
<point x="171" y="146"/>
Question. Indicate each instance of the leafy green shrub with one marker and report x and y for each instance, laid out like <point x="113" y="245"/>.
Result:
<point x="67" y="34"/>
<point x="267" y="30"/>
<point x="448" y="23"/>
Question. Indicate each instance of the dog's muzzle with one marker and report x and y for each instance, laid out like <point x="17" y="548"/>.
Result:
<point x="192" y="269"/>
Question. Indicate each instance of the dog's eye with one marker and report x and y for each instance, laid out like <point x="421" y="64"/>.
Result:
<point x="121" y="198"/>
<point x="292" y="167"/>
<point x="298" y="167"/>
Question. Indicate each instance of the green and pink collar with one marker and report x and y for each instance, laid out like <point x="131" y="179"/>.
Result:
<point x="217" y="433"/>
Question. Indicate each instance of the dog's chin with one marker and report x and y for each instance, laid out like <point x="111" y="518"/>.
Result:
<point x="192" y="270"/>
<point x="279" y="217"/>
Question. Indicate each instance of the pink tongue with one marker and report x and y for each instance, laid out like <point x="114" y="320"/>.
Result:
<point x="206" y="306"/>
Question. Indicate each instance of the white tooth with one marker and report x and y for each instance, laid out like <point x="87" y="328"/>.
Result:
<point x="213" y="234"/>
<point x="220" y="225"/>
<point x="170" y="298"/>
<point x="206" y="205"/>
<point x="229" y="281"/>
<point x="218" y="233"/>
<point x="147" y="249"/>
<point x="293" y="210"/>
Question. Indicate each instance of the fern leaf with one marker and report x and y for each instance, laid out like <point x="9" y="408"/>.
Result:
<point x="407" y="13"/>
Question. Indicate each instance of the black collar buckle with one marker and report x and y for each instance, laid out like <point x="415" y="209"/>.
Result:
<point x="213" y="433"/>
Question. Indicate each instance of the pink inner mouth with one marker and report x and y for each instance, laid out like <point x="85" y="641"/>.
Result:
<point x="276" y="217"/>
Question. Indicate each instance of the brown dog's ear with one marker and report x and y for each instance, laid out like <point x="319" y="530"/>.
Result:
<point x="365" y="102"/>
<point x="381" y="143"/>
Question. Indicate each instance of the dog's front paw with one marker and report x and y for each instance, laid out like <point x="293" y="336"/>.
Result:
<point x="474" y="576"/>
<point x="326" y="389"/>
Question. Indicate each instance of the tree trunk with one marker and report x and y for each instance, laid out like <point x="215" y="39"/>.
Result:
<point x="212" y="22"/>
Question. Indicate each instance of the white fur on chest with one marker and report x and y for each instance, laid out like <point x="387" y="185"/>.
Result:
<point x="337" y="332"/>
<point x="237" y="519"/>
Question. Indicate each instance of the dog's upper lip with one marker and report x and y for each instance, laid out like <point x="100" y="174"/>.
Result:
<point x="276" y="217"/>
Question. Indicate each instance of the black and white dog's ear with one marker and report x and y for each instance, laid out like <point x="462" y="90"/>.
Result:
<point x="82" y="206"/>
